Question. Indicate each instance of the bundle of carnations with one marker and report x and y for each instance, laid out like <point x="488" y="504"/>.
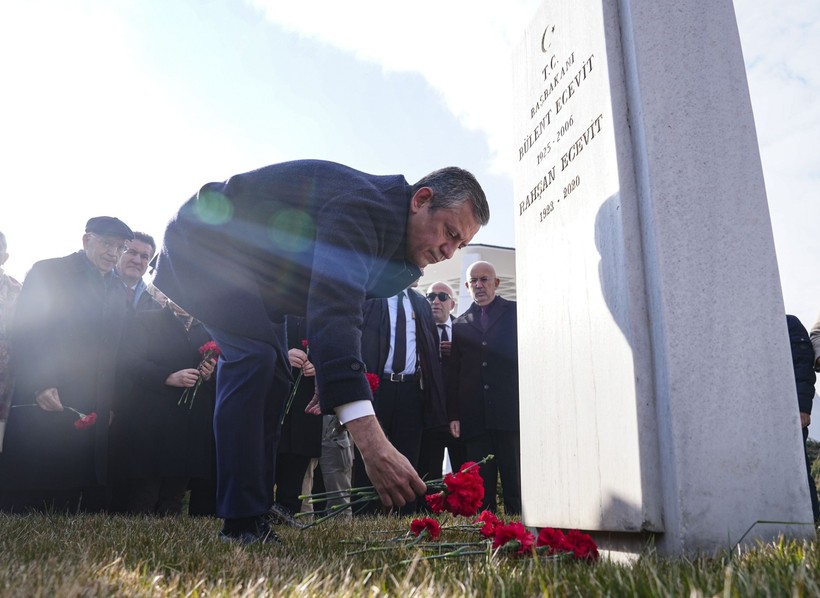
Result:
<point x="497" y="538"/>
<point x="209" y="350"/>
<point x="463" y="492"/>
<point x="458" y="493"/>
<point x="514" y="537"/>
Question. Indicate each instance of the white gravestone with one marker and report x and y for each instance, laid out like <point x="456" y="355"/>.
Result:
<point x="657" y="396"/>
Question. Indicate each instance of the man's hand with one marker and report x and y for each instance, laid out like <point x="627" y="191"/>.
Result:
<point x="183" y="378"/>
<point x="207" y="367"/>
<point x="446" y="347"/>
<point x="805" y="419"/>
<point x="49" y="400"/>
<point x="299" y="359"/>
<point x="313" y="408"/>
<point x="390" y="472"/>
<point x="455" y="428"/>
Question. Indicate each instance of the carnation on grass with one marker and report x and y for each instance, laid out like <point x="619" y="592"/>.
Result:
<point x="426" y="525"/>
<point x="461" y="494"/>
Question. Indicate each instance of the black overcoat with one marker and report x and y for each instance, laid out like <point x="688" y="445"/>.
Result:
<point x="482" y="372"/>
<point x="152" y="434"/>
<point x="301" y="432"/>
<point x="66" y="332"/>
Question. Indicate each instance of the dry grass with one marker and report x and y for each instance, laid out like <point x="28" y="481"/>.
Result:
<point x="58" y="555"/>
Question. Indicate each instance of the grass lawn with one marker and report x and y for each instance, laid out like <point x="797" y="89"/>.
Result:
<point x="82" y="555"/>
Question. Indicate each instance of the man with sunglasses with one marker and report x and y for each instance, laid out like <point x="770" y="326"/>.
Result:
<point x="66" y="331"/>
<point x="434" y="440"/>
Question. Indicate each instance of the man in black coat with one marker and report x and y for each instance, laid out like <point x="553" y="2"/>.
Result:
<point x="482" y="379"/>
<point x="305" y="238"/>
<point x="410" y="397"/>
<point x="132" y="266"/>
<point x="66" y="331"/>
<point x="435" y="439"/>
<point x="160" y="441"/>
<point x="805" y="378"/>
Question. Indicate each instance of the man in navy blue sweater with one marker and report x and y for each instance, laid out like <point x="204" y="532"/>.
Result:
<point x="315" y="239"/>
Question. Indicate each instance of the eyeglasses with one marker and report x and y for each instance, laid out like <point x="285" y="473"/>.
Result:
<point x="110" y="244"/>
<point x="134" y="253"/>
<point x="442" y="296"/>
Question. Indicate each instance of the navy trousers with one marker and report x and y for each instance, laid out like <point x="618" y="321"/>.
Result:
<point x="251" y="392"/>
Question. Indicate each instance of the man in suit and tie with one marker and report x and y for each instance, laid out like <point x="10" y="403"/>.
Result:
<point x="132" y="266"/>
<point x="400" y="343"/>
<point x="482" y="380"/>
<point x="442" y="303"/>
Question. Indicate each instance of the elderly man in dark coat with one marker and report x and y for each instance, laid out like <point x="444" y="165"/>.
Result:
<point x="482" y="379"/>
<point x="306" y="238"/>
<point x="65" y="335"/>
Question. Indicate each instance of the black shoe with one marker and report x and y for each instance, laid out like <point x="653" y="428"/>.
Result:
<point x="257" y="532"/>
<point x="281" y="515"/>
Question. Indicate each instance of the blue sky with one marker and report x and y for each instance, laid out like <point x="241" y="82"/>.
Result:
<point x="126" y="107"/>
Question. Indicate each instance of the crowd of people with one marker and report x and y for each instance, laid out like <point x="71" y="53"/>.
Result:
<point x="237" y="379"/>
<point x="110" y="401"/>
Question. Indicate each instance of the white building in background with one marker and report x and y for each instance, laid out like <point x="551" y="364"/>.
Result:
<point x="454" y="272"/>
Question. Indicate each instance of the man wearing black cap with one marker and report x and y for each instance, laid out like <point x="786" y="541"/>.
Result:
<point x="65" y="335"/>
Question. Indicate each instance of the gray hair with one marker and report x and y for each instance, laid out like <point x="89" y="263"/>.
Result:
<point x="453" y="186"/>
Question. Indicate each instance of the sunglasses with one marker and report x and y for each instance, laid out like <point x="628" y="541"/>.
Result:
<point x="442" y="296"/>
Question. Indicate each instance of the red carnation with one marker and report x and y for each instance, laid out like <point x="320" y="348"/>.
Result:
<point x="435" y="502"/>
<point x="554" y="539"/>
<point x="463" y="492"/>
<point x="490" y="522"/>
<point x="417" y="526"/>
<point x="210" y="349"/>
<point x="582" y="545"/>
<point x="304" y="343"/>
<point x="373" y="380"/>
<point x="86" y="421"/>
<point x="513" y="532"/>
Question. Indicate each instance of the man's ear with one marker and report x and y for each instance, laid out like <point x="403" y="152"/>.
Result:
<point x="420" y="199"/>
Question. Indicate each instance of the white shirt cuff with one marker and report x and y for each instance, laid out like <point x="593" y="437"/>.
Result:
<point x="355" y="410"/>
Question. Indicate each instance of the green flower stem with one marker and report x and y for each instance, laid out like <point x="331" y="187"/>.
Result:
<point x="294" y="389"/>
<point x="336" y="510"/>
<point x="292" y="395"/>
<point x="81" y="414"/>
<point x="319" y="496"/>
